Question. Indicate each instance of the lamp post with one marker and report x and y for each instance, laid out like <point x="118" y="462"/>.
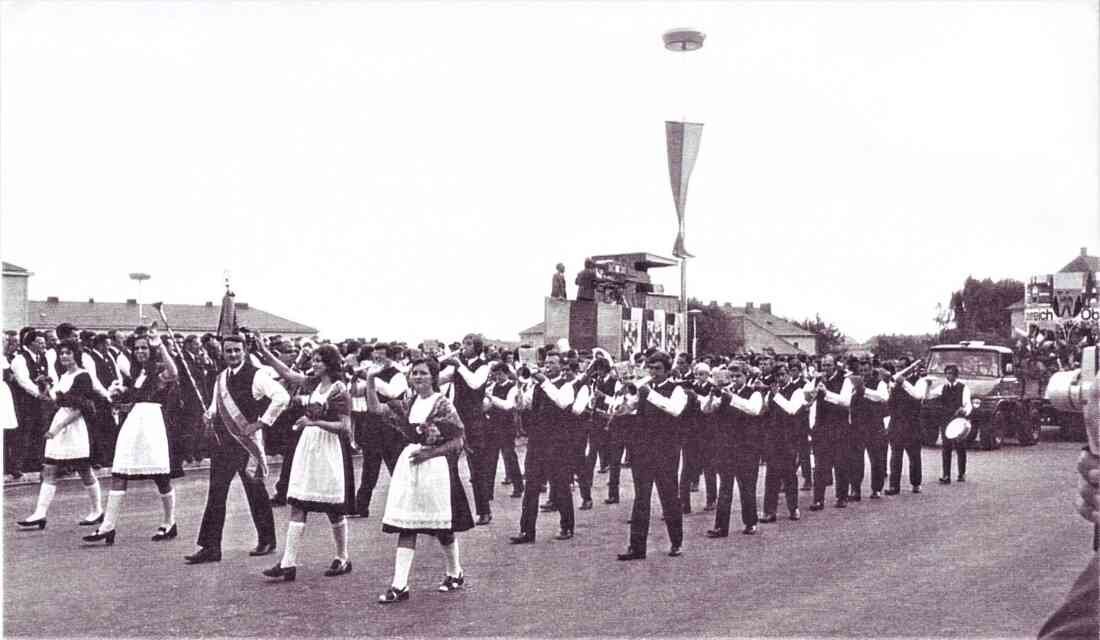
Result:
<point x="682" y="139"/>
<point x="140" y="277"/>
<point x="694" y="313"/>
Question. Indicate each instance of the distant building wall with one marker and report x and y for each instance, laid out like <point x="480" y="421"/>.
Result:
<point x="16" y="305"/>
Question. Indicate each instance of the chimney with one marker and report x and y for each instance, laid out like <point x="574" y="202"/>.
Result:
<point x="91" y="300"/>
<point x="209" y="304"/>
<point x="52" y="300"/>
<point x="131" y="302"/>
<point x="748" y="307"/>
<point x="1084" y="251"/>
<point x="242" y="305"/>
<point x="766" y="307"/>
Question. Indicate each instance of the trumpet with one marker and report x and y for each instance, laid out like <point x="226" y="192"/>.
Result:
<point x="900" y="375"/>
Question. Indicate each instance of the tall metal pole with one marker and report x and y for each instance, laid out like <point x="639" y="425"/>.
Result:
<point x="683" y="293"/>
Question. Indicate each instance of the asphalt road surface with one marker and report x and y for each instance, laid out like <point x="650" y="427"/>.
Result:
<point x="991" y="557"/>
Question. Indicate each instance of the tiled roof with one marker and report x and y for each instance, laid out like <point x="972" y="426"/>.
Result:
<point x="13" y="269"/>
<point x="185" y="318"/>
<point x="772" y="323"/>
<point x="1082" y="263"/>
<point x="538" y="328"/>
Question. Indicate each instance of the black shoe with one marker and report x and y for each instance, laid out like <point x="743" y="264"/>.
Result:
<point x="278" y="501"/>
<point x="768" y="518"/>
<point x="610" y="500"/>
<point x="96" y="521"/>
<point x="686" y="509"/>
<point x="586" y="505"/>
<point x="17" y="476"/>
<point x="602" y="470"/>
<point x="749" y="530"/>
<point x="484" y="519"/>
<point x="506" y="482"/>
<point x="695" y="487"/>
<point x="675" y="552"/>
<point x="338" y="568"/>
<point x="549" y="506"/>
<point x="263" y="549"/>
<point x="451" y="583"/>
<point x="203" y="555"/>
<point x="288" y="573"/>
<point x="795" y="515"/>
<point x="106" y="536"/>
<point x="855" y="497"/>
<point x="517" y="494"/>
<point x="841" y="503"/>
<point x="711" y="505"/>
<point x="916" y="488"/>
<point x="717" y="533"/>
<point x="393" y="595"/>
<point x="817" y="506"/>
<point x="166" y="534"/>
<point x="522" y="538"/>
<point x="632" y="554"/>
<point x="564" y="534"/>
<point x="876" y="495"/>
<point x="962" y="477"/>
<point x="40" y="523"/>
<point x="892" y="491"/>
<point x="945" y="480"/>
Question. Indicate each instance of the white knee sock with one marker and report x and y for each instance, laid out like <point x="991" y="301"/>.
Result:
<point x="45" y="497"/>
<point x="114" y="505"/>
<point x="454" y="567"/>
<point x="340" y="537"/>
<point x="95" y="498"/>
<point x="293" y="537"/>
<point x="168" y="501"/>
<point x="402" y="565"/>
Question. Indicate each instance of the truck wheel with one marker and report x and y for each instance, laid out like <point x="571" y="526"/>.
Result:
<point x="1030" y="428"/>
<point x="992" y="433"/>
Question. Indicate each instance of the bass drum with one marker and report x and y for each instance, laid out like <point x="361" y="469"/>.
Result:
<point x="957" y="430"/>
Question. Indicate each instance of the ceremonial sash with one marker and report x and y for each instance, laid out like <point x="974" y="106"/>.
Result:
<point x="236" y="424"/>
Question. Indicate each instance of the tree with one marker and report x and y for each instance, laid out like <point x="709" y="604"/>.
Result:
<point x="717" y="332"/>
<point x="889" y="347"/>
<point x="979" y="310"/>
<point x="830" y="339"/>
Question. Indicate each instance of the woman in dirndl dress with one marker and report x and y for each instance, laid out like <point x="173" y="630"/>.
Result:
<point x="67" y="443"/>
<point x="321" y="475"/>
<point x="425" y="494"/>
<point x="141" y="450"/>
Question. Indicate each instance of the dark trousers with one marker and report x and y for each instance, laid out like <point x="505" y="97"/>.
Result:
<point x="228" y="460"/>
<point x="781" y="457"/>
<point x="909" y="444"/>
<point x="619" y="429"/>
<point x="101" y="433"/>
<point x="481" y="452"/>
<point x="506" y="441"/>
<point x="695" y="451"/>
<point x="29" y="444"/>
<point x="805" y="463"/>
<point x="737" y="462"/>
<point x="654" y="460"/>
<point x="853" y="460"/>
<point x="948" y="447"/>
<point x="825" y="442"/>
<point x="544" y="463"/>
<point x="380" y="443"/>
<point x="598" y="440"/>
<point x="577" y="455"/>
<point x="876" y="454"/>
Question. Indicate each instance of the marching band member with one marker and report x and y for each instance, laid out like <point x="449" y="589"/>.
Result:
<point x="868" y="400"/>
<point x="831" y="430"/>
<point x="737" y="408"/>
<point x="696" y="436"/>
<point x="379" y="443"/>
<point x="67" y="441"/>
<point x="469" y="373"/>
<point x="783" y="403"/>
<point x="425" y="494"/>
<point x="245" y="400"/>
<point x="580" y="423"/>
<point x="656" y="455"/>
<point x="621" y="417"/>
<point x="804" y="439"/>
<point x="550" y="400"/>
<point x="905" y="436"/>
<point x="502" y="396"/>
<point x="141" y="451"/>
<point x="28" y="366"/>
<point x="602" y="391"/>
<point x="955" y="399"/>
<point x="321" y="478"/>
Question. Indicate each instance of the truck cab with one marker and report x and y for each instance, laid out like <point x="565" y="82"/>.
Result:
<point x="1001" y="408"/>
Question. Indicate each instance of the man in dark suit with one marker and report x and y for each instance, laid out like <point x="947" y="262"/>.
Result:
<point x="557" y="284"/>
<point x="246" y="399"/>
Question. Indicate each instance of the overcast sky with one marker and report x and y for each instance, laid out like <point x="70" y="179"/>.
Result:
<point x="416" y="170"/>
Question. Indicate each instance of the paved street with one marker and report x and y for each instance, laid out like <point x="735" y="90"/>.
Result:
<point x="990" y="557"/>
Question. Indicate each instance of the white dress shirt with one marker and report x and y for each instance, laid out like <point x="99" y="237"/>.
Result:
<point x="263" y="386"/>
<point x="923" y="391"/>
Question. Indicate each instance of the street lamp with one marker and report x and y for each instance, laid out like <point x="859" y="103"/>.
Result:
<point x="682" y="140"/>
<point x="140" y="277"/>
<point x="694" y="313"/>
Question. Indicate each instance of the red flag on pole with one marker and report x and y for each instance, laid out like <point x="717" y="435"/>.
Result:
<point x="227" y="322"/>
<point x="683" y="147"/>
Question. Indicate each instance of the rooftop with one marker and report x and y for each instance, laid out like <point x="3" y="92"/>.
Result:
<point x="186" y="318"/>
